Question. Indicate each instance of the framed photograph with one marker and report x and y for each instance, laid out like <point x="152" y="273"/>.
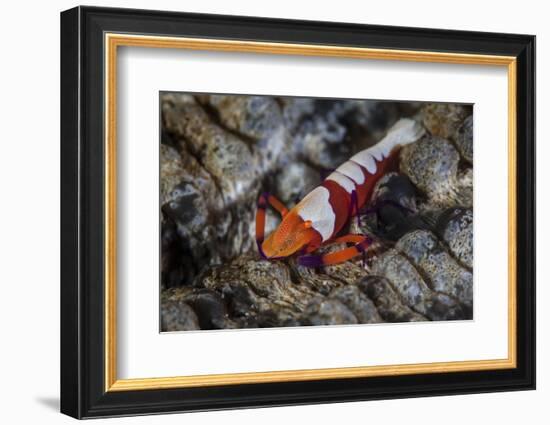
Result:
<point x="261" y="212"/>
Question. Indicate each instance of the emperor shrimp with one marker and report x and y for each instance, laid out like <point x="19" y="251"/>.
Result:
<point x="321" y="215"/>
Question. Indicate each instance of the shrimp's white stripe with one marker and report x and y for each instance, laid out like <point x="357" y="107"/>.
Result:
<point x="316" y="208"/>
<point x="353" y="171"/>
<point x="365" y="159"/>
<point x="343" y="181"/>
<point x="402" y="133"/>
<point x="377" y="152"/>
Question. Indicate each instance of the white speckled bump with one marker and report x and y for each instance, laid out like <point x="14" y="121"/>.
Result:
<point x="402" y="133"/>
<point x="316" y="208"/>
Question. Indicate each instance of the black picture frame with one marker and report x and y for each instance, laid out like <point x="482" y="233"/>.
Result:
<point x="83" y="392"/>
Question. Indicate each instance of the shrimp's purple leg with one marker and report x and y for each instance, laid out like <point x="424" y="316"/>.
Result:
<point x="362" y="242"/>
<point x="354" y="210"/>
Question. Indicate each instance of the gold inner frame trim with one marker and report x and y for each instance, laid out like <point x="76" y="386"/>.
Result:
<point x="113" y="41"/>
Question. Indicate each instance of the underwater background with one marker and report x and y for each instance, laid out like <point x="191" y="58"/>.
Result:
<point x="219" y="152"/>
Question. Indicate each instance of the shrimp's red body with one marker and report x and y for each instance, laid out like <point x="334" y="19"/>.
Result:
<point x="319" y="217"/>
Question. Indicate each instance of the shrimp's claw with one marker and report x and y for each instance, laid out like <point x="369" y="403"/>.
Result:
<point x="264" y="200"/>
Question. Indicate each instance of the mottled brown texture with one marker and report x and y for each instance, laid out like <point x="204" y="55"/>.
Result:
<point x="456" y="229"/>
<point x="360" y="305"/>
<point x="443" y="273"/>
<point x="178" y="316"/>
<point x="432" y="164"/>
<point x="224" y="156"/>
<point x="464" y="139"/>
<point x="171" y="172"/>
<point x="443" y="119"/>
<point x="388" y="302"/>
<point x="258" y="120"/>
<point x="413" y="289"/>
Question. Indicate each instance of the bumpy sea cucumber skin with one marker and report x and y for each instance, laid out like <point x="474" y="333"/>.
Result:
<point x="455" y="227"/>
<point x="443" y="272"/>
